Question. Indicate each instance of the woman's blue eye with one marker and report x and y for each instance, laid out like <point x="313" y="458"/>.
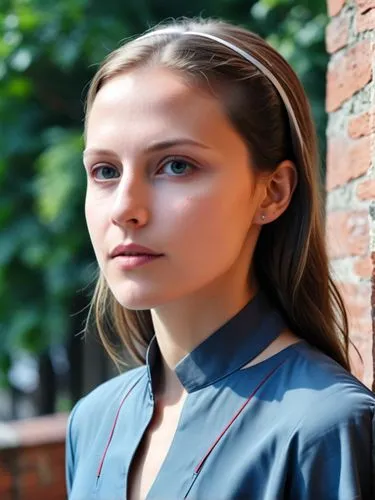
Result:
<point x="177" y="167"/>
<point x="107" y="172"/>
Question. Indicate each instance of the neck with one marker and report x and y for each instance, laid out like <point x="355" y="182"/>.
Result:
<point x="184" y="324"/>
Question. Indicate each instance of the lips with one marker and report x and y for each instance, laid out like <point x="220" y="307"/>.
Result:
<point x="133" y="249"/>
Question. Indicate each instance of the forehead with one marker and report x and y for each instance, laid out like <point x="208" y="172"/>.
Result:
<point x="147" y="105"/>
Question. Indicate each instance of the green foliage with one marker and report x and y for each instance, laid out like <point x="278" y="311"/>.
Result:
<point x="297" y="31"/>
<point x="58" y="169"/>
<point x="49" y="50"/>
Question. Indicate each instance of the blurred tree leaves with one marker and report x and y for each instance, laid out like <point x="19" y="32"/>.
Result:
<point x="49" y="50"/>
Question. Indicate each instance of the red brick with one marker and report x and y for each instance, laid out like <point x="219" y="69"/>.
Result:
<point x="337" y="34"/>
<point x="363" y="267"/>
<point x="347" y="234"/>
<point x="334" y="6"/>
<point x="6" y="481"/>
<point x="36" y="464"/>
<point x="357" y="302"/>
<point x="347" y="160"/>
<point x="366" y="190"/>
<point x="348" y="73"/>
<point x="365" y="5"/>
<point x="361" y="125"/>
<point x="365" y="21"/>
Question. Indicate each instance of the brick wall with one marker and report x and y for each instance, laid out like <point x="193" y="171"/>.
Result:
<point x="32" y="458"/>
<point x="350" y="103"/>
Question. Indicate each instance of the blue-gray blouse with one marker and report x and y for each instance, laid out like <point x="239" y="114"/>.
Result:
<point x="295" y="426"/>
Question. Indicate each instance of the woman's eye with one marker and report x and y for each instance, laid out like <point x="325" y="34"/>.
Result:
<point x="107" y="172"/>
<point x="177" y="167"/>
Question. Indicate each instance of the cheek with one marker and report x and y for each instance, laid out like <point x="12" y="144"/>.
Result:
<point x="212" y="225"/>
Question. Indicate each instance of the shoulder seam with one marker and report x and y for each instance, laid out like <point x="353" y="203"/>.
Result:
<point x="306" y="415"/>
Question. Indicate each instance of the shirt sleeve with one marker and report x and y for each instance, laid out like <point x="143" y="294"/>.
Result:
<point x="338" y="464"/>
<point x="70" y="446"/>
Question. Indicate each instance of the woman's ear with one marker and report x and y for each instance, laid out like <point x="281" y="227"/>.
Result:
<point x="279" y="189"/>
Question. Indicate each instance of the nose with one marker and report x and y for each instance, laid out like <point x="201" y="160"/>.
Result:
<point x="130" y="207"/>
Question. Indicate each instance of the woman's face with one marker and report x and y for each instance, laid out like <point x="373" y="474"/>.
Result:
<point x="166" y="170"/>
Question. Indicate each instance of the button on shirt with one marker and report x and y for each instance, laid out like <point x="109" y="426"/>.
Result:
<point x="295" y="426"/>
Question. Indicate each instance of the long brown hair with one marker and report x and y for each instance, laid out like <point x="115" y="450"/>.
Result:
<point x="290" y="259"/>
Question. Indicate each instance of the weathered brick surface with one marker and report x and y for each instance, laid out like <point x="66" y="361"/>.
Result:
<point x="334" y="6"/>
<point x="362" y="267"/>
<point x="357" y="298"/>
<point x="364" y="5"/>
<point x="32" y="461"/>
<point x="366" y="190"/>
<point x="337" y="34"/>
<point x="363" y="124"/>
<point x="347" y="234"/>
<point x="347" y="160"/>
<point x="351" y="171"/>
<point x="348" y="73"/>
<point x="365" y="20"/>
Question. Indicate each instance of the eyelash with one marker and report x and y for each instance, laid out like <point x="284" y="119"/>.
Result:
<point x="169" y="160"/>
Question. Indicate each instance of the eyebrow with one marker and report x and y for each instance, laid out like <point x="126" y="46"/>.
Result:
<point x="153" y="147"/>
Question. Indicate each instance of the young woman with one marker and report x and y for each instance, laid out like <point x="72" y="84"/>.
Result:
<point x="204" y="211"/>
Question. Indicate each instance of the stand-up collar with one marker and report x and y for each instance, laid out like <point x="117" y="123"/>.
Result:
<point x="233" y="345"/>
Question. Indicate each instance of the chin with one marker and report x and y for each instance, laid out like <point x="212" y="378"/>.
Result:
<point x="138" y="300"/>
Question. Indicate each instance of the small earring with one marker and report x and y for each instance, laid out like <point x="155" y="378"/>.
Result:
<point x="263" y="217"/>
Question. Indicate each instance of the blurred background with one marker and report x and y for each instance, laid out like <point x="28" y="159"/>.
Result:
<point x="49" y="51"/>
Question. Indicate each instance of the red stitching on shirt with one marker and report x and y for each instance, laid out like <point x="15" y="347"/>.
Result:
<point x="200" y="465"/>
<point x="113" y="428"/>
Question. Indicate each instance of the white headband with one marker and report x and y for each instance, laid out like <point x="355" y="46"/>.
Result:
<point x="248" y="57"/>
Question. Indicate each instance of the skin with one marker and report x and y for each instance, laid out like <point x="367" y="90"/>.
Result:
<point x="198" y="201"/>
